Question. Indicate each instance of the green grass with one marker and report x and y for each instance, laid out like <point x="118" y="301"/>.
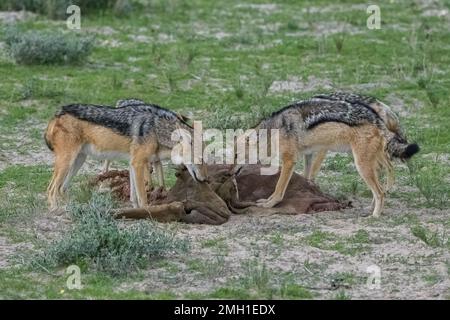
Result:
<point x="96" y="242"/>
<point x="357" y="243"/>
<point x="432" y="238"/>
<point x="258" y="281"/>
<point x="30" y="178"/>
<point x="21" y="189"/>
<point x="217" y="61"/>
<point x="21" y="284"/>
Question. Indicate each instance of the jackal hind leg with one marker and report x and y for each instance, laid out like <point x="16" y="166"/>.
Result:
<point x="365" y="161"/>
<point x="148" y="176"/>
<point x="160" y="173"/>
<point x="307" y="163"/>
<point x="133" y="192"/>
<point x="317" y="161"/>
<point x="66" y="165"/>
<point x="106" y="166"/>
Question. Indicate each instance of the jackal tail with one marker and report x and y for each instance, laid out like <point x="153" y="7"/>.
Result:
<point x="396" y="147"/>
<point x="401" y="149"/>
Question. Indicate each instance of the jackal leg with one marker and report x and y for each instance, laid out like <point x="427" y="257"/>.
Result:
<point x="366" y="164"/>
<point x="140" y="154"/>
<point x="73" y="170"/>
<point x="307" y="158"/>
<point x="106" y="165"/>
<point x="148" y="175"/>
<point x="315" y="161"/>
<point x="133" y="192"/>
<point x="287" y="168"/>
<point x="66" y="165"/>
<point x="160" y="173"/>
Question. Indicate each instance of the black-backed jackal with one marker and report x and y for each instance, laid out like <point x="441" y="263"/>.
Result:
<point x="136" y="131"/>
<point x="320" y="124"/>
<point x="157" y="163"/>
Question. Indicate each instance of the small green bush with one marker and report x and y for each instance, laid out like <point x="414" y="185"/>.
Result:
<point x="44" y="47"/>
<point x="56" y="9"/>
<point x="98" y="242"/>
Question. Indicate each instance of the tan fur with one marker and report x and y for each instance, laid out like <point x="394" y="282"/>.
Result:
<point x="366" y="142"/>
<point x="314" y="161"/>
<point x="147" y="175"/>
<point x="68" y="135"/>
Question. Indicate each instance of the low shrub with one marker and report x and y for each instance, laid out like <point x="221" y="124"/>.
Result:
<point x="56" y="9"/>
<point x="45" y="47"/>
<point x="98" y="242"/>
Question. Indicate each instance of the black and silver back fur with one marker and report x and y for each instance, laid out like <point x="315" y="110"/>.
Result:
<point x="308" y="114"/>
<point x="132" y="118"/>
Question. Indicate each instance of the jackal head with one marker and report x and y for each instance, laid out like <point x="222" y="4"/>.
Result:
<point x="189" y="153"/>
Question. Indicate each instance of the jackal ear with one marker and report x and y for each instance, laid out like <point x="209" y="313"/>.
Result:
<point x="184" y="118"/>
<point x="236" y="170"/>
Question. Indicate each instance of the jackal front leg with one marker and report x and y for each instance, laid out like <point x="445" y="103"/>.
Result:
<point x="287" y="168"/>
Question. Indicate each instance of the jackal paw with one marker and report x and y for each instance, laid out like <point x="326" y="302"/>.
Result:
<point x="262" y="200"/>
<point x="269" y="203"/>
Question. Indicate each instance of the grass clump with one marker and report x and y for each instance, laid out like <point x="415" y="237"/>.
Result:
<point x="432" y="238"/>
<point x="57" y="9"/>
<point x="98" y="242"/>
<point x="429" y="178"/>
<point x="45" y="47"/>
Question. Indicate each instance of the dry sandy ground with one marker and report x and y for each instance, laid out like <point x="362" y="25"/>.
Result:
<point x="406" y="263"/>
<point x="409" y="268"/>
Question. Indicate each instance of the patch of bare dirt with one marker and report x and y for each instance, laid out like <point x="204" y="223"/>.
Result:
<point x="266" y="8"/>
<point x="410" y="269"/>
<point x="111" y="43"/>
<point x="295" y="84"/>
<point x="15" y="16"/>
<point x="326" y="28"/>
<point x="105" y="30"/>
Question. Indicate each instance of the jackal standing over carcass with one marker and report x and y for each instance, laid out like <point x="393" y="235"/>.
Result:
<point x="318" y="124"/>
<point x="129" y="131"/>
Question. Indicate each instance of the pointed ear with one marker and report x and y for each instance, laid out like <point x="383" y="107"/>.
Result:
<point x="236" y="170"/>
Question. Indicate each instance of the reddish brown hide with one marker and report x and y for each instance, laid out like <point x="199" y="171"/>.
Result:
<point x="213" y="202"/>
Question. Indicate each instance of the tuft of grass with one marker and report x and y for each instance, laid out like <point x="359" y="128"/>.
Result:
<point x="339" y="42"/>
<point x="98" y="242"/>
<point x="342" y="295"/>
<point x="256" y="276"/>
<point x="432" y="238"/>
<point x="292" y="26"/>
<point x="295" y="291"/>
<point x="230" y="293"/>
<point x="260" y="282"/>
<point x="351" y="245"/>
<point x="210" y="268"/>
<point x="56" y="9"/>
<point x="171" y="81"/>
<point x="239" y="90"/>
<point x="186" y="57"/>
<point x="429" y="178"/>
<point x="47" y="47"/>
